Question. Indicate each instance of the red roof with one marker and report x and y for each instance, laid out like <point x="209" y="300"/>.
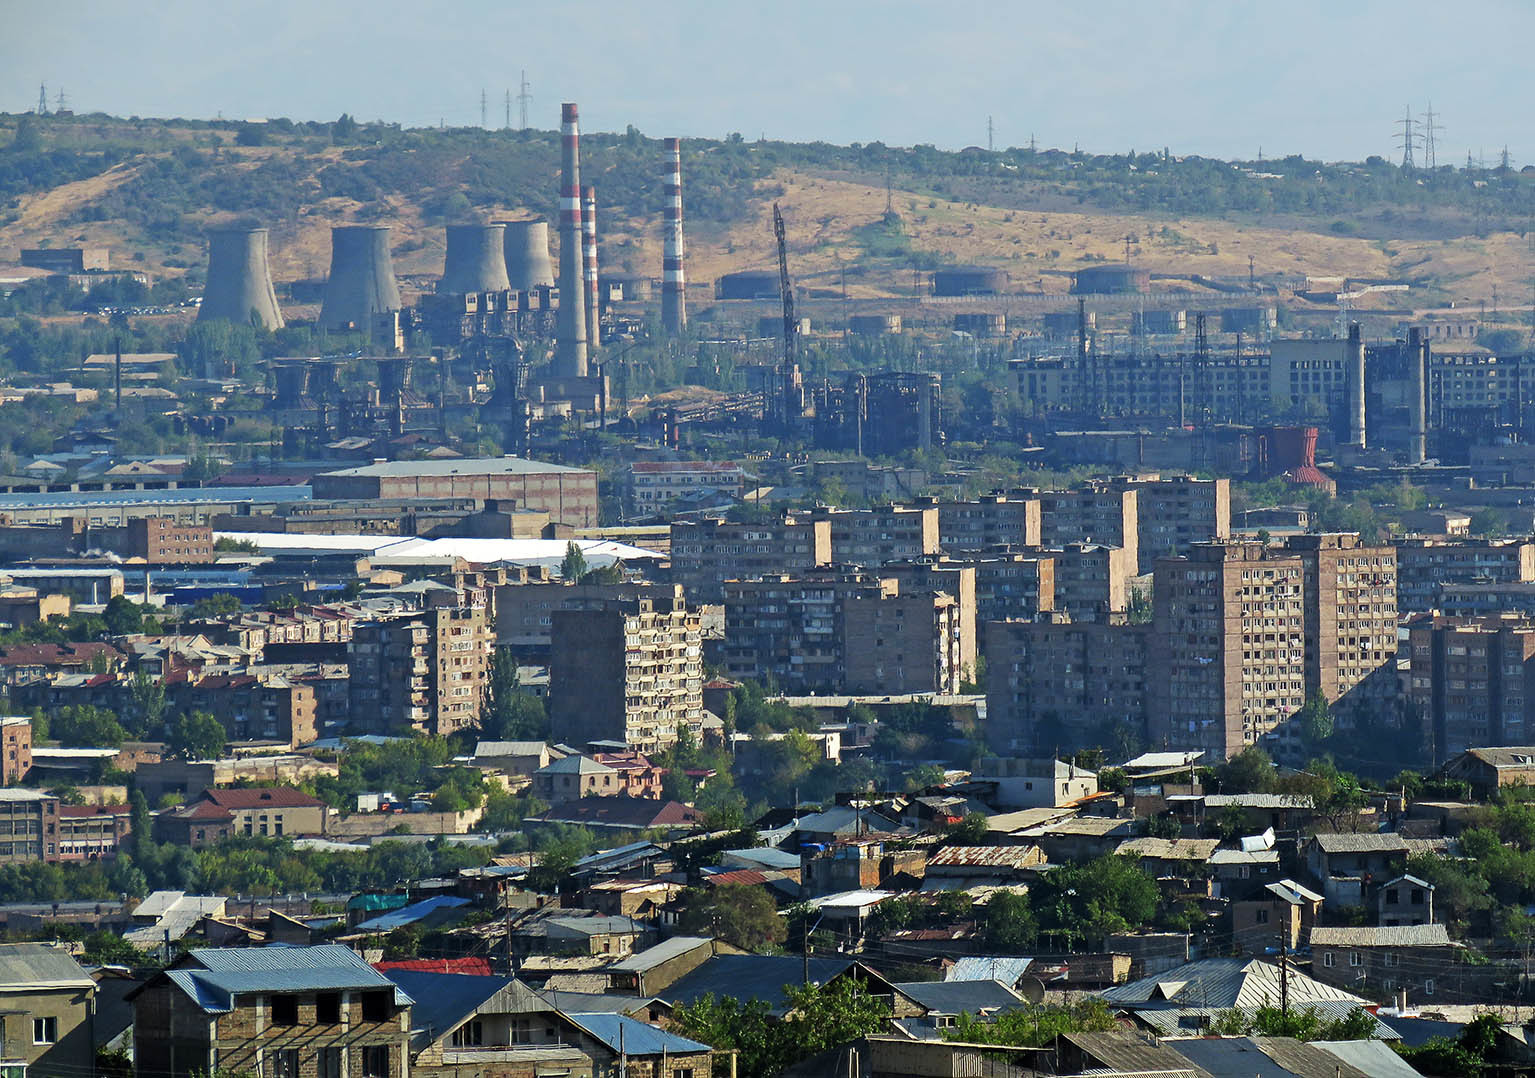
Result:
<point x="624" y="812"/>
<point x="269" y="797"/>
<point x="85" y="811"/>
<point x="55" y="654"/>
<point x="201" y="810"/>
<point x="473" y="967"/>
<point x="661" y="467"/>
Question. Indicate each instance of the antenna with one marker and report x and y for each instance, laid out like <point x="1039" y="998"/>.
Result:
<point x="1503" y="161"/>
<point x="523" y="97"/>
<point x="1032" y="146"/>
<point x="1431" y="128"/>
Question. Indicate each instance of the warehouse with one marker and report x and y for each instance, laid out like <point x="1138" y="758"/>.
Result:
<point x="568" y="495"/>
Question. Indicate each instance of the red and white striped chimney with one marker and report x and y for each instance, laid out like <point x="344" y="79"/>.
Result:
<point x="570" y="345"/>
<point x="589" y="237"/>
<point x="674" y="305"/>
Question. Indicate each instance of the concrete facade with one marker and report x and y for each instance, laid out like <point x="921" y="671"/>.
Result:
<point x="568" y="495"/>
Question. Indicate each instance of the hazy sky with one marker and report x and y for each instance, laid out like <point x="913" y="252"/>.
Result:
<point x="1225" y="77"/>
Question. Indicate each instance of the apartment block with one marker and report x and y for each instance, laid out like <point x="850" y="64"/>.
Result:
<point x="425" y="671"/>
<point x="1473" y="681"/>
<point x="902" y="643"/>
<point x="1098" y="512"/>
<point x="993" y="520"/>
<point x="265" y="707"/>
<point x="29" y="826"/>
<point x="1228" y="647"/>
<point x="1058" y="685"/>
<point x="655" y="484"/>
<point x="1350" y="611"/>
<point x="1092" y="583"/>
<point x="875" y="537"/>
<point x="1423" y="565"/>
<point x="628" y="670"/>
<point x="1012" y="586"/>
<point x="938" y="574"/>
<point x="92" y="832"/>
<point x="163" y="541"/>
<point x="15" y="749"/>
<point x="1176" y="512"/>
<point x="524" y="620"/>
<point x="706" y="553"/>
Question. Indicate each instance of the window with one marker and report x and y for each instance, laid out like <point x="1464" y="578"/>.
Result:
<point x="45" y="1030"/>
<point x="1428" y="987"/>
<point x="328" y="1063"/>
<point x="283" y="1063"/>
<point x="375" y="1059"/>
<point x="469" y="1035"/>
<point x="1417" y="896"/>
<point x="1354" y="959"/>
<point x="285" y="1010"/>
<point x="1328" y="959"/>
<point x="327" y="1008"/>
<point x="1261" y="917"/>
<point x="1393" y="897"/>
<point x="375" y="1007"/>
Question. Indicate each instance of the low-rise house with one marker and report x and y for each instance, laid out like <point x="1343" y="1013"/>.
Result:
<point x="1283" y="910"/>
<point x="1351" y="866"/>
<point x="202" y="823"/>
<point x="1177" y="858"/>
<point x="1240" y="873"/>
<point x="47" y="1013"/>
<point x="1406" y="900"/>
<point x="941" y="1003"/>
<point x="765" y="977"/>
<point x="1034" y="783"/>
<point x="1078" y="838"/>
<point x="165" y="917"/>
<point x="623" y="815"/>
<point x="1488" y="770"/>
<point x="520" y="758"/>
<point x="1249" y="812"/>
<point x="575" y="777"/>
<point x="983" y="865"/>
<point x="282" y="1012"/>
<point x="580" y="932"/>
<point x="92" y="832"/>
<point x="1419" y="958"/>
<point x="650" y="972"/>
<point x="277" y="810"/>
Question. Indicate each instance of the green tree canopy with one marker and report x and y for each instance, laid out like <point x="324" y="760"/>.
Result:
<point x="741" y="915"/>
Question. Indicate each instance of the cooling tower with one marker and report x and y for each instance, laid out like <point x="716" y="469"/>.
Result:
<point x="570" y="347"/>
<point x="674" y="300"/>
<point x="589" y="260"/>
<point x="527" y="255"/>
<point x="361" y="283"/>
<point x="239" y="283"/>
<point x="476" y="260"/>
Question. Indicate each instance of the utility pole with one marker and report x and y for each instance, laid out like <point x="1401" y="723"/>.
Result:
<point x="523" y="97"/>
<point x="1284" y="971"/>
<point x="64" y="105"/>
<point x="508" y="110"/>
<point x="990" y="131"/>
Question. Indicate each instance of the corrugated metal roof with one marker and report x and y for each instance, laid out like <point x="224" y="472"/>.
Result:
<point x="1169" y="849"/>
<point x="1224" y="982"/>
<point x="665" y="951"/>
<point x="1365" y="842"/>
<point x="961" y="997"/>
<point x="227" y="972"/>
<point x="409" y="915"/>
<point x="25" y="966"/>
<point x="1381" y="936"/>
<point x="1374" y="1057"/>
<point x="635" y="1038"/>
<point x="1004" y="968"/>
<point x="1122" y="1050"/>
<point x="987" y="856"/>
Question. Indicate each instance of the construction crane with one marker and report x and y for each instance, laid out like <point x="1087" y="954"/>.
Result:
<point x="788" y="374"/>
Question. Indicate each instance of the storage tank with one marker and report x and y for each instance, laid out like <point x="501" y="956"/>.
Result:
<point x="1150" y="323"/>
<point x="1249" y="320"/>
<point x="969" y="281"/>
<point x="747" y="284"/>
<point x="875" y="325"/>
<point x="981" y="324"/>
<point x="1115" y="279"/>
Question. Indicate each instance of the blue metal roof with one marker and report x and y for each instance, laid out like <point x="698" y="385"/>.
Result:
<point x="409" y="915"/>
<point x="231" y="971"/>
<point x="444" y="1000"/>
<point x="84" y="499"/>
<point x="639" y="1039"/>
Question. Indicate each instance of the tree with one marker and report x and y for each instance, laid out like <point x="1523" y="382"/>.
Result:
<point x="971" y="831"/>
<point x="1011" y="927"/>
<point x="574" y="567"/>
<point x="741" y="915"/>
<point x="84" y="726"/>
<point x="1250" y="771"/>
<point x="148" y="695"/>
<point x="1034" y="1027"/>
<point x="1302" y="1023"/>
<point x="514" y="715"/>
<point x="198" y="736"/>
<point x="123" y="616"/>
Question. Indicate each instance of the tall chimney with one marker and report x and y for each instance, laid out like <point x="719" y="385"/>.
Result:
<point x="476" y="260"/>
<point x="589" y="258"/>
<point x="527" y="255"/>
<point x="1355" y="386"/>
<point x="1417" y="396"/>
<point x="361" y="282"/>
<point x="239" y="284"/>
<point x="674" y="297"/>
<point x="570" y="347"/>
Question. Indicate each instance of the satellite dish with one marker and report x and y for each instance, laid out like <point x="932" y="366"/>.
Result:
<point x="1032" y="989"/>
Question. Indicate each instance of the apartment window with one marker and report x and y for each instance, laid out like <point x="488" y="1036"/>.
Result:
<point x="1329" y="959"/>
<point x="1354" y="959"/>
<point x="327" y="1008"/>
<point x="375" y="1008"/>
<point x="328" y="1063"/>
<point x="375" y="1061"/>
<point x="45" y="1030"/>
<point x="285" y="1010"/>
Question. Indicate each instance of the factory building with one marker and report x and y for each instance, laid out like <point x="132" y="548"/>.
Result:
<point x="568" y="495"/>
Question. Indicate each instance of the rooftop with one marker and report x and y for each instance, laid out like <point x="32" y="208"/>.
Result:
<point x="1381" y="936"/>
<point x="470" y="466"/>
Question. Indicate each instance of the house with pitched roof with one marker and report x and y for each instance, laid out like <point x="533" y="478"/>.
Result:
<point x="280" y="1012"/>
<point x="47" y="1011"/>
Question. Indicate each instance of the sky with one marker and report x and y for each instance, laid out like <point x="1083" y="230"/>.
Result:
<point x="1224" y="78"/>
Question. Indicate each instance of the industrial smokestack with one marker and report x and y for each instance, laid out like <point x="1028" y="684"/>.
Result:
<point x="570" y="348"/>
<point x="361" y="282"/>
<point x="674" y="299"/>
<point x="589" y="259"/>
<point x="527" y="255"/>
<point x="1355" y="386"/>
<point x="239" y="284"/>
<point x="476" y="260"/>
<point x="1417" y="402"/>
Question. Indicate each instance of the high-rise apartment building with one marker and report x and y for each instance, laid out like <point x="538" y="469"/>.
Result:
<point x="628" y="670"/>
<point x="991" y="520"/>
<point x="903" y="643"/>
<point x="706" y="553"/>
<point x="1423" y="565"/>
<point x="1350" y="612"/>
<point x="1228" y="647"/>
<point x="1473" y="681"/>
<point x="1178" y="511"/>
<point x="1097" y="512"/>
<point x="1092" y="582"/>
<point x="874" y="537"/>
<point x="425" y="671"/>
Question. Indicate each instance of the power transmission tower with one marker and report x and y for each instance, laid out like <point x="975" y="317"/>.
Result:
<point x="1407" y="138"/>
<point x="483" y="123"/>
<point x="523" y="97"/>
<point x="1432" y="128"/>
<point x="42" y="99"/>
<point x="1503" y="161"/>
<point x="1033" y="148"/>
<point x="508" y="110"/>
<point x="990" y="144"/>
<point x="63" y="106"/>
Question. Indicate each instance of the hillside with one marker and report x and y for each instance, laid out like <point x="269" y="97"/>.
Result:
<point x="151" y="187"/>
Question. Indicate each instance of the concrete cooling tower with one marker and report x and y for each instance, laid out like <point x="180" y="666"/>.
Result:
<point x="361" y="282"/>
<point x="239" y="284"/>
<point x="476" y="260"/>
<point x="528" y="265"/>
